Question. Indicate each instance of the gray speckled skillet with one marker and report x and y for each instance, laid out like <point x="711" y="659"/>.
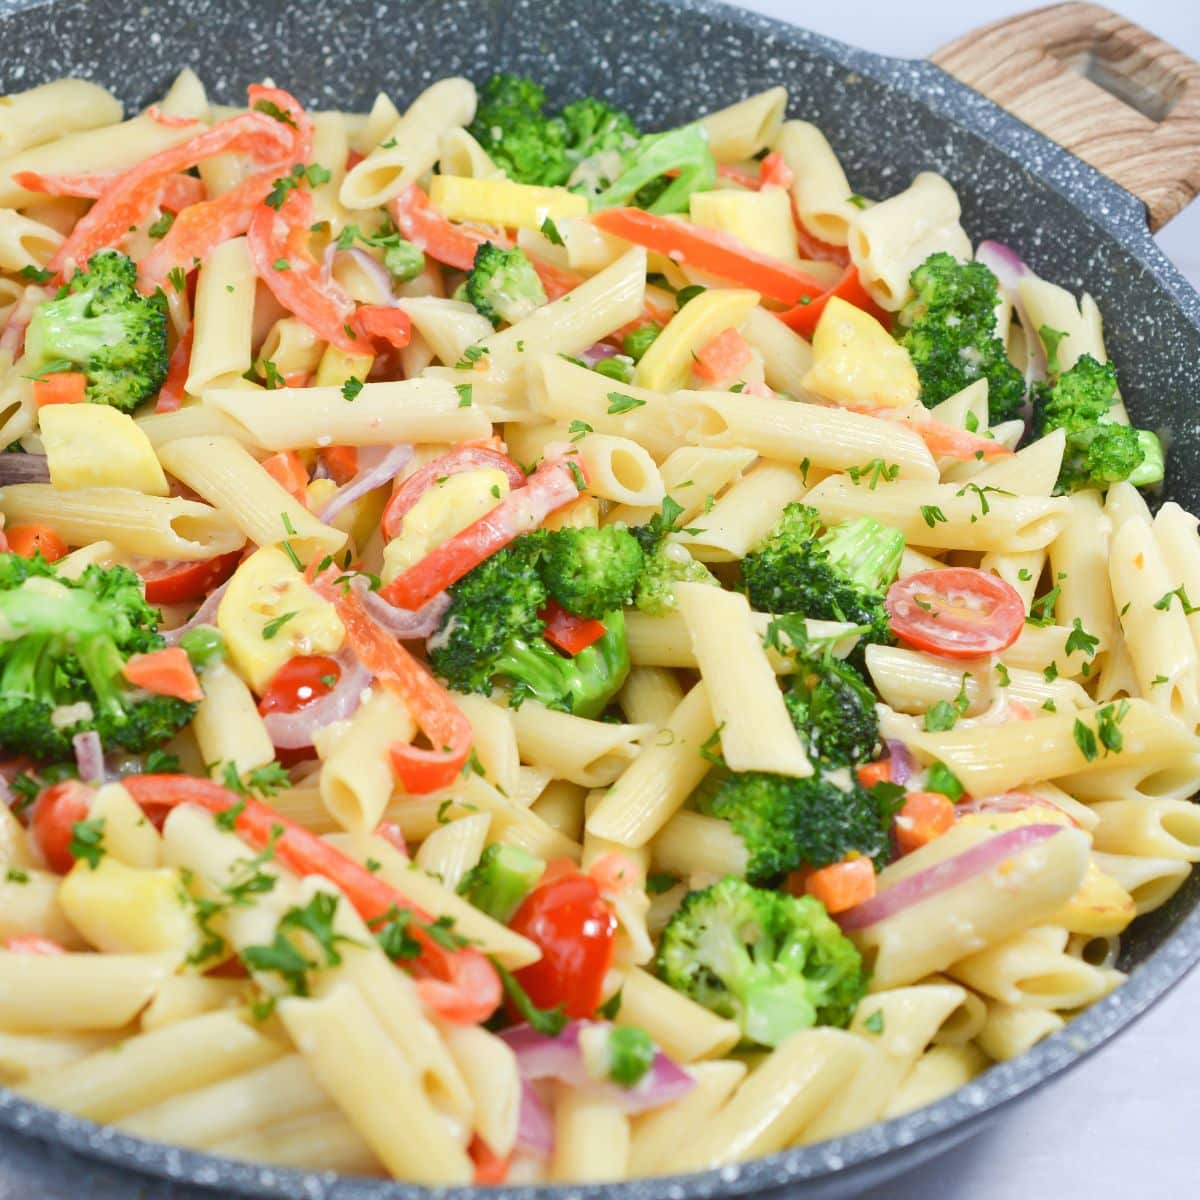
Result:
<point x="664" y="60"/>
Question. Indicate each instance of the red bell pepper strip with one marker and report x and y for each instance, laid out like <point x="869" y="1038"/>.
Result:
<point x="170" y="395"/>
<point x="437" y="716"/>
<point x="178" y="191"/>
<point x="279" y="246"/>
<point x="710" y="251"/>
<point x="448" y="242"/>
<point x="944" y="441"/>
<point x="738" y="175"/>
<point x="130" y="201"/>
<point x="390" y="325"/>
<point x="803" y="317"/>
<point x="555" y="483"/>
<point x="459" y="984"/>
<point x="170" y="120"/>
<point x="556" y="281"/>
<point x="775" y="172"/>
<point x="464" y="458"/>
<point x="569" y="633"/>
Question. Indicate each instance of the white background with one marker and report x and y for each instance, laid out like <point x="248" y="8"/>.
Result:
<point x="1124" y="1124"/>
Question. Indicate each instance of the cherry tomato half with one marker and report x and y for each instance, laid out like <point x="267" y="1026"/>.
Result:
<point x="299" y="682"/>
<point x="957" y="612"/>
<point x="575" y="930"/>
<point x="55" y="813"/>
<point x="169" y="582"/>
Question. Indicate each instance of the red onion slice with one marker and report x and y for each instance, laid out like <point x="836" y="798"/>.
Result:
<point x="23" y="468"/>
<point x="535" y="1126"/>
<point x="1008" y="802"/>
<point x="377" y="465"/>
<point x="901" y="763"/>
<point x="542" y="1057"/>
<point x="944" y="875"/>
<point x="206" y="614"/>
<point x="1009" y="269"/>
<point x="596" y="353"/>
<point x="403" y="623"/>
<point x="372" y="268"/>
<point x="89" y="756"/>
<point x="295" y="730"/>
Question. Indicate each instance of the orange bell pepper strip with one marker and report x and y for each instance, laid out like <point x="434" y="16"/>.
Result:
<point x="925" y="816"/>
<point x="555" y="483"/>
<point x="448" y="242"/>
<point x="165" y="672"/>
<point x="460" y="984"/>
<point x="571" y="634"/>
<point x="437" y="716"/>
<point x="710" y="251"/>
<point x="803" y="317"/>
<point x="723" y="357"/>
<point x="841" y="885"/>
<point x="62" y="387"/>
<point x="130" y="200"/>
<point x="288" y="470"/>
<point x="170" y="395"/>
<point x="28" y="540"/>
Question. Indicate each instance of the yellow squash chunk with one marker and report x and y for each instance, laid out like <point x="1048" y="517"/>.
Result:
<point x="760" y="220"/>
<point x="127" y="910"/>
<point x="444" y="510"/>
<point x="337" y="367"/>
<point x="857" y="362"/>
<point x="667" y="365"/>
<point x="501" y="202"/>
<point x="92" y="445"/>
<point x="264" y="590"/>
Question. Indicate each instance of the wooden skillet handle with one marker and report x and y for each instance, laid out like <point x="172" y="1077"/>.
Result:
<point x="1106" y="89"/>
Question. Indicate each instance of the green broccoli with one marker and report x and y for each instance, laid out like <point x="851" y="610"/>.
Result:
<point x="100" y="324"/>
<point x="63" y="646"/>
<point x="591" y="571"/>
<point x="503" y="877"/>
<point x="1100" y="451"/>
<point x="841" y="575"/>
<point x="774" y="963"/>
<point x="834" y="711"/>
<point x="786" y="823"/>
<point x="644" y="181"/>
<point x="592" y="126"/>
<point x="949" y="331"/>
<point x="666" y="563"/>
<point x="503" y="285"/>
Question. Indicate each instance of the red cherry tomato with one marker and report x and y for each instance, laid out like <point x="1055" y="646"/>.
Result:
<point x="55" y="813"/>
<point x="170" y="582"/>
<point x="575" y="930"/>
<point x="957" y="612"/>
<point x="299" y="682"/>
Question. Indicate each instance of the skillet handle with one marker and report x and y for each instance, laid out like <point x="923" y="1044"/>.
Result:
<point x="1105" y="89"/>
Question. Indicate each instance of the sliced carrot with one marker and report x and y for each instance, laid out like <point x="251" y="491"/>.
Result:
<point x="725" y="357"/>
<point x="288" y="470"/>
<point x="869" y="774"/>
<point x="842" y="885"/>
<point x="556" y="281"/>
<point x="945" y="441"/>
<point x="448" y="242"/>
<point x="63" y="387"/>
<point x="491" y="1169"/>
<point x="341" y="462"/>
<point x="925" y="816"/>
<point x="775" y="172"/>
<point x="165" y="672"/>
<point x="297" y="379"/>
<point x="32" y="943"/>
<point x="391" y="325"/>
<point x="28" y="540"/>
<point x="170" y="395"/>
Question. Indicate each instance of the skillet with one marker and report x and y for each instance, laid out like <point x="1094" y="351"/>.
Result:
<point x="1124" y="101"/>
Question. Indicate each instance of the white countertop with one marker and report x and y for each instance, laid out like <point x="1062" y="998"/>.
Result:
<point x="1123" y="1124"/>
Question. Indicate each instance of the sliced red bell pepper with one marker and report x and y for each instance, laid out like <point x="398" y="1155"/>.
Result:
<point x="391" y="325"/>
<point x="178" y="191"/>
<point x="944" y="441"/>
<point x="464" y="458"/>
<point x="437" y="716"/>
<point x="448" y="242"/>
<point x="170" y="395"/>
<point x="710" y="251"/>
<point x="555" y="483"/>
<point x="569" y="633"/>
<point x="170" y="120"/>
<point x="556" y="281"/>
<point x="459" y="984"/>
<point x="803" y="317"/>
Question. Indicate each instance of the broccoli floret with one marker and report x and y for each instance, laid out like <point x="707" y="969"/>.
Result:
<point x="63" y="647"/>
<point x="583" y="684"/>
<point x="503" y="877"/>
<point x="949" y="331"/>
<point x="101" y="324"/>
<point x="834" y="711"/>
<point x="787" y="823"/>
<point x="491" y="606"/>
<point x="666" y="565"/>
<point x="1100" y="451"/>
<point x="503" y="285"/>
<point x="591" y="571"/>
<point x="683" y="150"/>
<point x="840" y="576"/>
<point x="774" y="963"/>
<point x="592" y="126"/>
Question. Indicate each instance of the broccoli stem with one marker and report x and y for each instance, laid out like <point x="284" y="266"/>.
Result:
<point x="1152" y="467"/>
<point x="865" y="551"/>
